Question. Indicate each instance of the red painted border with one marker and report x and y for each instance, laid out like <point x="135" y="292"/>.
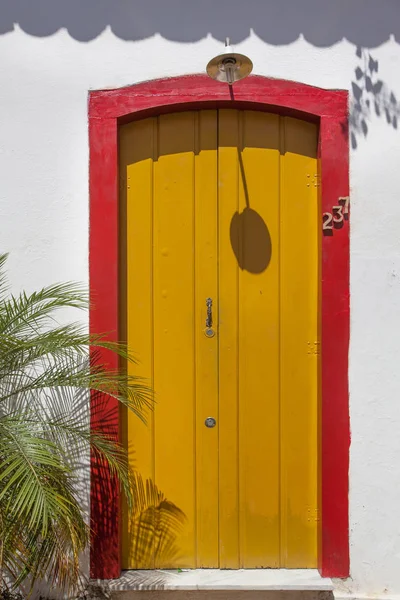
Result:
<point x="330" y="108"/>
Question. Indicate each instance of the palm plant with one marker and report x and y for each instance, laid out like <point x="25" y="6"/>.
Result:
<point x="45" y="378"/>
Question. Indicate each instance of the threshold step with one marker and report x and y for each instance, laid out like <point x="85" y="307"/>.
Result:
<point x="277" y="580"/>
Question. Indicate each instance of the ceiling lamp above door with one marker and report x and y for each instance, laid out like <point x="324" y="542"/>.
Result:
<point x="229" y="66"/>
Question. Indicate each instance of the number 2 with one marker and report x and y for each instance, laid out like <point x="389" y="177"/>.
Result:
<point x="327" y="221"/>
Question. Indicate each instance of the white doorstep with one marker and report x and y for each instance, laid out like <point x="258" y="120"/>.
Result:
<point x="222" y="579"/>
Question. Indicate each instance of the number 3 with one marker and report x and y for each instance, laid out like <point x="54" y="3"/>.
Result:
<point x="337" y="214"/>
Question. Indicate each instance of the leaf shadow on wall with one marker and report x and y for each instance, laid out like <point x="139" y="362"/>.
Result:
<point x="249" y="234"/>
<point x="371" y="98"/>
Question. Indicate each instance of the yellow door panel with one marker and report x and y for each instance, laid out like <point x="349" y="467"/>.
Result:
<point x="206" y="350"/>
<point x="299" y="342"/>
<point x="174" y="381"/>
<point x="259" y="340"/>
<point x="222" y="205"/>
<point x="228" y="205"/>
<point x="136" y="196"/>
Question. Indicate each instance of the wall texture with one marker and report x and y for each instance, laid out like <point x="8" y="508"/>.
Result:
<point x="53" y="54"/>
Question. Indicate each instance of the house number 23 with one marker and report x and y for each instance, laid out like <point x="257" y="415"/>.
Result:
<point x="336" y="218"/>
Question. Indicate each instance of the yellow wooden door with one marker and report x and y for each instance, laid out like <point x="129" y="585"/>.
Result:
<point x="222" y="205"/>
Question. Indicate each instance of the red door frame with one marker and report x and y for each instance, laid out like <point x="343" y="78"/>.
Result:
<point x="109" y="108"/>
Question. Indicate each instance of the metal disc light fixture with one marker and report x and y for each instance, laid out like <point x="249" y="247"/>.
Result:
<point x="229" y="66"/>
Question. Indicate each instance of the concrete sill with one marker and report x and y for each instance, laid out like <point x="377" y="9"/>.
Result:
<point x="218" y="579"/>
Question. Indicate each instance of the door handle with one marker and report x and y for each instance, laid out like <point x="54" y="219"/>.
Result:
<point x="209" y="319"/>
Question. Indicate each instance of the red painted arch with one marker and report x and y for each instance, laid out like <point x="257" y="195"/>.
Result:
<point x="109" y="108"/>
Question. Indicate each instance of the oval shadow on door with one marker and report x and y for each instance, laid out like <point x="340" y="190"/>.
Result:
<point x="251" y="241"/>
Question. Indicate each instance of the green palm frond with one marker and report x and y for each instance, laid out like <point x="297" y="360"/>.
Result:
<point x="47" y="371"/>
<point x="3" y="276"/>
<point x="37" y="500"/>
<point x="19" y="315"/>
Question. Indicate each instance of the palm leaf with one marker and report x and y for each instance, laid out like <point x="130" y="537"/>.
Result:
<point x="3" y="277"/>
<point x="46" y="374"/>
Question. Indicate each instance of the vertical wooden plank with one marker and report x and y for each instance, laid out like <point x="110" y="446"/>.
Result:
<point x="228" y="141"/>
<point x="136" y="149"/>
<point x="258" y="226"/>
<point x="206" y="285"/>
<point x="299" y="343"/>
<point x="173" y="266"/>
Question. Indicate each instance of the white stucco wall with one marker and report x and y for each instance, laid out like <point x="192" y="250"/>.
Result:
<point x="44" y="83"/>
